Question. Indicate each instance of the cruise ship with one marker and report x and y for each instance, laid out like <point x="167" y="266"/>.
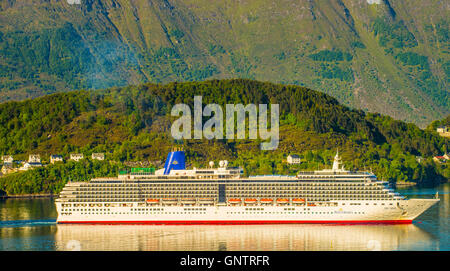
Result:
<point x="222" y="195"/>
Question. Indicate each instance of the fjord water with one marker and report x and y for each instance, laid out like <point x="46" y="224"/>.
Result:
<point x="29" y="224"/>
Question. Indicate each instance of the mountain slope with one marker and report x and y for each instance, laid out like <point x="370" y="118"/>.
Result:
<point x="391" y="57"/>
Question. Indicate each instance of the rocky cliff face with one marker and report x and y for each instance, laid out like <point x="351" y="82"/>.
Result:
<point x="385" y="56"/>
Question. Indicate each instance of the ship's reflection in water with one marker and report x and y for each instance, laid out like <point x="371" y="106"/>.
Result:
<point x="243" y="237"/>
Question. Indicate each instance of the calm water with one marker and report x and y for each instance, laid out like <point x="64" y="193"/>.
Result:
<point x="29" y="224"/>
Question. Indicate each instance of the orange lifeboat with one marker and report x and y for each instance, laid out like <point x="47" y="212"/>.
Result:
<point x="234" y="201"/>
<point x="282" y="201"/>
<point x="250" y="201"/>
<point x="298" y="201"/>
<point x="311" y="204"/>
<point x="266" y="201"/>
<point x="152" y="201"/>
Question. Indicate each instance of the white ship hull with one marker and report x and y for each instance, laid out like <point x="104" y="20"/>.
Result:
<point x="349" y="212"/>
<point x="221" y="196"/>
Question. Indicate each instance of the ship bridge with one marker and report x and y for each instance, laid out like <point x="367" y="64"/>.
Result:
<point x="337" y="172"/>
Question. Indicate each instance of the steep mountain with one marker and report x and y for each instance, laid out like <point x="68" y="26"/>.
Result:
<point x="134" y="124"/>
<point x="381" y="56"/>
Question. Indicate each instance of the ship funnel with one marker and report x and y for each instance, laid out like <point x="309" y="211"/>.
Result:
<point x="221" y="163"/>
<point x="175" y="160"/>
<point x="211" y="164"/>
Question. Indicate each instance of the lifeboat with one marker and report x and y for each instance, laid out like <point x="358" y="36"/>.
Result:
<point x="298" y="201"/>
<point x="188" y="201"/>
<point x="234" y="201"/>
<point x="169" y="201"/>
<point x="311" y="204"/>
<point x="265" y="201"/>
<point x="250" y="201"/>
<point x="282" y="201"/>
<point x="205" y="200"/>
<point x="152" y="201"/>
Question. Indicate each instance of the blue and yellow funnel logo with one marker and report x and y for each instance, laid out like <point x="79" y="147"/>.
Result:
<point x="175" y="160"/>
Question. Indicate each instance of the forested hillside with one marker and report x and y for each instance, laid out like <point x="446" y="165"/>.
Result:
<point x="133" y="123"/>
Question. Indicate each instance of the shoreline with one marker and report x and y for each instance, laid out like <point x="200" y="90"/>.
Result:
<point x="409" y="184"/>
<point x="28" y="196"/>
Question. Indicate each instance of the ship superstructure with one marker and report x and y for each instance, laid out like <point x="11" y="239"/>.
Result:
<point x="221" y="195"/>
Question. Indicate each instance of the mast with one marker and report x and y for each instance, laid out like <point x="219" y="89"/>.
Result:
<point x="337" y="161"/>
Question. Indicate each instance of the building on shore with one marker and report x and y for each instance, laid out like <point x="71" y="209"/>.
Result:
<point x="30" y="165"/>
<point x="98" y="156"/>
<point x="76" y="156"/>
<point x="441" y="159"/>
<point x="443" y="131"/>
<point x="293" y="159"/>
<point x="7" y="159"/>
<point x="56" y="158"/>
<point x="8" y="168"/>
<point x="34" y="158"/>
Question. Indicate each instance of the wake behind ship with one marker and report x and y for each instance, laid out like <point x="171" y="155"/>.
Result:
<point x="176" y="195"/>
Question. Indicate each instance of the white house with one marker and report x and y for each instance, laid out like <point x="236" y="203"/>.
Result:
<point x="29" y="165"/>
<point x="7" y="159"/>
<point x="55" y="158"/>
<point x="8" y="168"/>
<point x="293" y="159"/>
<point x="34" y="158"/>
<point x="98" y="156"/>
<point x="443" y="131"/>
<point x="440" y="159"/>
<point x="76" y="156"/>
